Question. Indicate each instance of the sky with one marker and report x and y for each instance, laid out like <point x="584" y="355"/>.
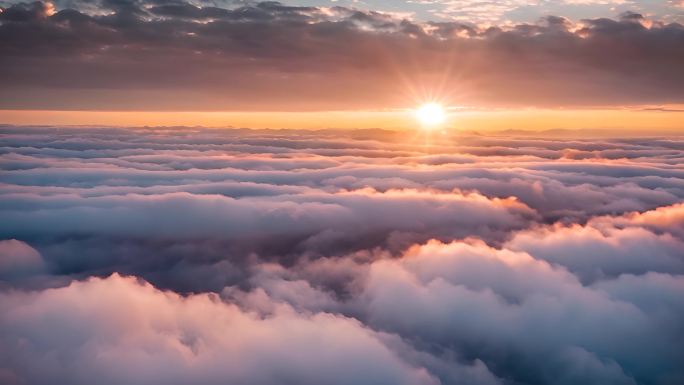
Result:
<point x="511" y="11"/>
<point x="123" y="62"/>
<point x="425" y="192"/>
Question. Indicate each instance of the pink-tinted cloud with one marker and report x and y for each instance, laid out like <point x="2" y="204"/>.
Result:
<point x="17" y="260"/>
<point x="117" y="330"/>
<point x="604" y="248"/>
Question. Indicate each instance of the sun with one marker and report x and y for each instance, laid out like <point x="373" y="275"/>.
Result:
<point x="430" y="114"/>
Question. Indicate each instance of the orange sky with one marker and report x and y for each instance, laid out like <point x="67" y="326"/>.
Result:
<point x="666" y="120"/>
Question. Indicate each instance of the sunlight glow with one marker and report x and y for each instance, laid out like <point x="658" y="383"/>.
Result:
<point x="430" y="114"/>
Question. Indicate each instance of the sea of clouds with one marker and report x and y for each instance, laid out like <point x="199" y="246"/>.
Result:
<point x="227" y="256"/>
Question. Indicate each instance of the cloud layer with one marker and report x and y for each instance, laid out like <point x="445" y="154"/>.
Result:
<point x="176" y="255"/>
<point x="268" y="56"/>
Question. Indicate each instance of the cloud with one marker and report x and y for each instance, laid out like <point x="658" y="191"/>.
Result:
<point x="602" y="249"/>
<point x="471" y="301"/>
<point x="442" y="312"/>
<point x="120" y="330"/>
<point x="18" y="260"/>
<point x="188" y="209"/>
<point x="266" y="56"/>
<point x="482" y="302"/>
<point x="176" y="255"/>
<point x="668" y="219"/>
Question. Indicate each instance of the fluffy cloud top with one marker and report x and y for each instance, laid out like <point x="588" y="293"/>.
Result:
<point x="121" y="331"/>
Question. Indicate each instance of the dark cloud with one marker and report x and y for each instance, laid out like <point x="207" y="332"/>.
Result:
<point x="273" y="56"/>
